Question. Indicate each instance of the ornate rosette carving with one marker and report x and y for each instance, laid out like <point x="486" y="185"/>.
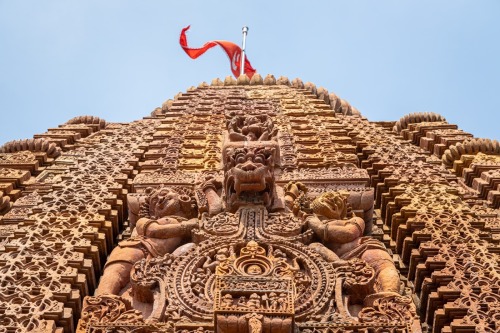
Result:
<point x="190" y="287"/>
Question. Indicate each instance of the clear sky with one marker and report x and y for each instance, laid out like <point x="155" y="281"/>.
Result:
<point x="119" y="59"/>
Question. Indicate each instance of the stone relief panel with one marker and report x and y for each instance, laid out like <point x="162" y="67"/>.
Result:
<point x="259" y="208"/>
<point x="259" y="248"/>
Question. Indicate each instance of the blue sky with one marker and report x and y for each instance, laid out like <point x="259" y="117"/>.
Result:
<point x="119" y="59"/>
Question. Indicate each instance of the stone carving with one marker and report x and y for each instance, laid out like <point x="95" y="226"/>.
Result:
<point x="4" y="203"/>
<point x="267" y="280"/>
<point x="416" y="117"/>
<point x="251" y="128"/>
<point x="391" y="309"/>
<point x="87" y="120"/>
<point x="249" y="176"/>
<point x="164" y="176"/>
<point x="343" y="239"/>
<point x="34" y="145"/>
<point x="108" y="309"/>
<point x="167" y="219"/>
<point x="471" y="147"/>
<point x="346" y="171"/>
<point x="223" y="224"/>
<point x="247" y="215"/>
<point x="223" y="243"/>
<point x="25" y="160"/>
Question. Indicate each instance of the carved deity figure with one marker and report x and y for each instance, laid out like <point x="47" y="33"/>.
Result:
<point x="169" y="219"/>
<point x="250" y="128"/>
<point x="220" y="256"/>
<point x="344" y="240"/>
<point x="227" y="300"/>
<point x="254" y="302"/>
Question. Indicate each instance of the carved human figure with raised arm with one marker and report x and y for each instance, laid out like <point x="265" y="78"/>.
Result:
<point x="342" y="239"/>
<point x="170" y="217"/>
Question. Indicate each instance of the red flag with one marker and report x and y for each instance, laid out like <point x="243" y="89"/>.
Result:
<point x="233" y="51"/>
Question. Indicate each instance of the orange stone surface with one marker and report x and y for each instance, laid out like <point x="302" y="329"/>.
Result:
<point x="262" y="205"/>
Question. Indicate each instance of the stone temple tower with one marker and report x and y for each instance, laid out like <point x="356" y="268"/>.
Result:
<point x="263" y="205"/>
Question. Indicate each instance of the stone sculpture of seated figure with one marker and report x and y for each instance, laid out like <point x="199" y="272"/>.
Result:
<point x="168" y="223"/>
<point x="342" y="239"/>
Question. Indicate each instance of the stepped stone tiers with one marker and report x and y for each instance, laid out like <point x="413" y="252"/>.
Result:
<point x="262" y="205"/>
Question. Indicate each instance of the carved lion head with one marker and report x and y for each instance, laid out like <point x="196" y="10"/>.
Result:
<point x="249" y="175"/>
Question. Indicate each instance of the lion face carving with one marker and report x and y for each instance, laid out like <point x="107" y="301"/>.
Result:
<point x="249" y="176"/>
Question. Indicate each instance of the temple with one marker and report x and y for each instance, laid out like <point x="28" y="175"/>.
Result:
<point x="262" y="205"/>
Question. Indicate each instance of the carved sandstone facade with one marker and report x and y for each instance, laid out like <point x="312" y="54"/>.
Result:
<point x="258" y="205"/>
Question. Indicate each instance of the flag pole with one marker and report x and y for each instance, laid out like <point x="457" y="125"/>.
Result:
<point x="242" y="67"/>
